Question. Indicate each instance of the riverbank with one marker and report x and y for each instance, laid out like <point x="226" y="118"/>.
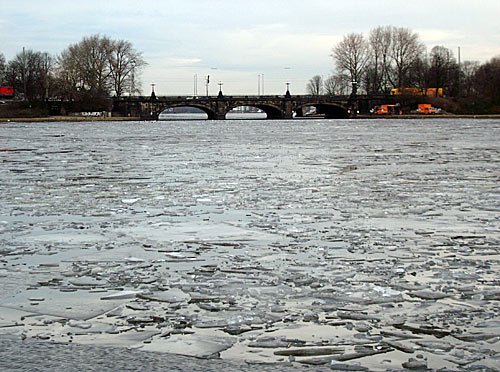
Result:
<point x="66" y="119"/>
<point x="122" y="118"/>
<point x="447" y="116"/>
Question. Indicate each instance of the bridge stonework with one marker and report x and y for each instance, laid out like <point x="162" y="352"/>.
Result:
<point x="276" y="107"/>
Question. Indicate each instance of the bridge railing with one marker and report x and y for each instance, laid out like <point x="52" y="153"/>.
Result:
<point x="238" y="97"/>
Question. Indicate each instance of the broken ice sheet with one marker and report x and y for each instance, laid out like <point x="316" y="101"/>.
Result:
<point x="121" y="295"/>
<point x="80" y="305"/>
<point x="172" y="295"/>
<point x="284" y="230"/>
<point x="124" y="337"/>
<point x="200" y="346"/>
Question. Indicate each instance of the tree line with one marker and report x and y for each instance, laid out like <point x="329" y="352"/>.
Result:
<point x="91" y="69"/>
<point x="394" y="57"/>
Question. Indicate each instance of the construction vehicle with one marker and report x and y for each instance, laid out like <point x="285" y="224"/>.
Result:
<point x="428" y="92"/>
<point x="387" y="109"/>
<point x="426" y="109"/>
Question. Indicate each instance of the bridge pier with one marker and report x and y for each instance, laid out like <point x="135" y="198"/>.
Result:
<point x="220" y="108"/>
<point x="287" y="109"/>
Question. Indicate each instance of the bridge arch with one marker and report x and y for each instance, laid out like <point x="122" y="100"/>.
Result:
<point x="272" y="112"/>
<point x="207" y="110"/>
<point x="329" y="110"/>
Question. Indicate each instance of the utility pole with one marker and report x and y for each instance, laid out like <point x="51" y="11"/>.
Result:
<point x="260" y="84"/>
<point x="24" y="73"/>
<point x="459" y="73"/>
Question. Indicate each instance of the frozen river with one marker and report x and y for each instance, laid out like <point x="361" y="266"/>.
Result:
<point x="327" y="242"/>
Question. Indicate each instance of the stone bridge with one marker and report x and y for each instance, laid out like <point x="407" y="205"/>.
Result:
<point x="276" y="107"/>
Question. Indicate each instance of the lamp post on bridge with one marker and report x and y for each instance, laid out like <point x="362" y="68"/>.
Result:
<point x="287" y="94"/>
<point x="353" y="104"/>
<point x="153" y="95"/>
<point x="354" y="88"/>
<point x="220" y="88"/>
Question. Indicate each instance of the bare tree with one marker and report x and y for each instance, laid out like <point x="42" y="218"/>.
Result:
<point x="99" y="66"/>
<point x="46" y="66"/>
<point x="29" y="72"/>
<point x="468" y="71"/>
<point x="405" y="50"/>
<point x="442" y="68"/>
<point x="487" y="80"/>
<point x="351" y="56"/>
<point x="315" y="86"/>
<point x="380" y="40"/>
<point x="3" y="67"/>
<point x="88" y="63"/>
<point x="69" y="72"/>
<point x="124" y="63"/>
<point x="18" y="73"/>
<point x="336" y="84"/>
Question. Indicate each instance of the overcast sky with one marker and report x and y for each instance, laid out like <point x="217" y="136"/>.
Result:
<point x="234" y="41"/>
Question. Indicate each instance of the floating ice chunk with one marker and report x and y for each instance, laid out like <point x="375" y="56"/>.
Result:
<point x="192" y="345"/>
<point x="386" y="291"/>
<point x="428" y="294"/>
<point x="171" y="296"/>
<point x="87" y="282"/>
<point x="122" y="295"/>
<point x="134" y="259"/>
<point x="176" y="254"/>
<point x="36" y="299"/>
<point x="79" y="324"/>
<point x="130" y="201"/>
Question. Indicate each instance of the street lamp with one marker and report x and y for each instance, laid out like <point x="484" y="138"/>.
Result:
<point x="353" y="99"/>
<point x="220" y="88"/>
<point x="153" y="95"/>
<point x="354" y="87"/>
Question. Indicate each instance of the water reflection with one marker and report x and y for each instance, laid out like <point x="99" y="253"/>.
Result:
<point x="204" y="116"/>
<point x="193" y="113"/>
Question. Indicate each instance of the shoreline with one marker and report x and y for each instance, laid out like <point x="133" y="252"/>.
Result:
<point x="123" y="118"/>
<point x="43" y="119"/>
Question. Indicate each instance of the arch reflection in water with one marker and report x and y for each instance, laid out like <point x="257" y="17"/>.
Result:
<point x="194" y="113"/>
<point x="183" y="113"/>
<point x="246" y="113"/>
